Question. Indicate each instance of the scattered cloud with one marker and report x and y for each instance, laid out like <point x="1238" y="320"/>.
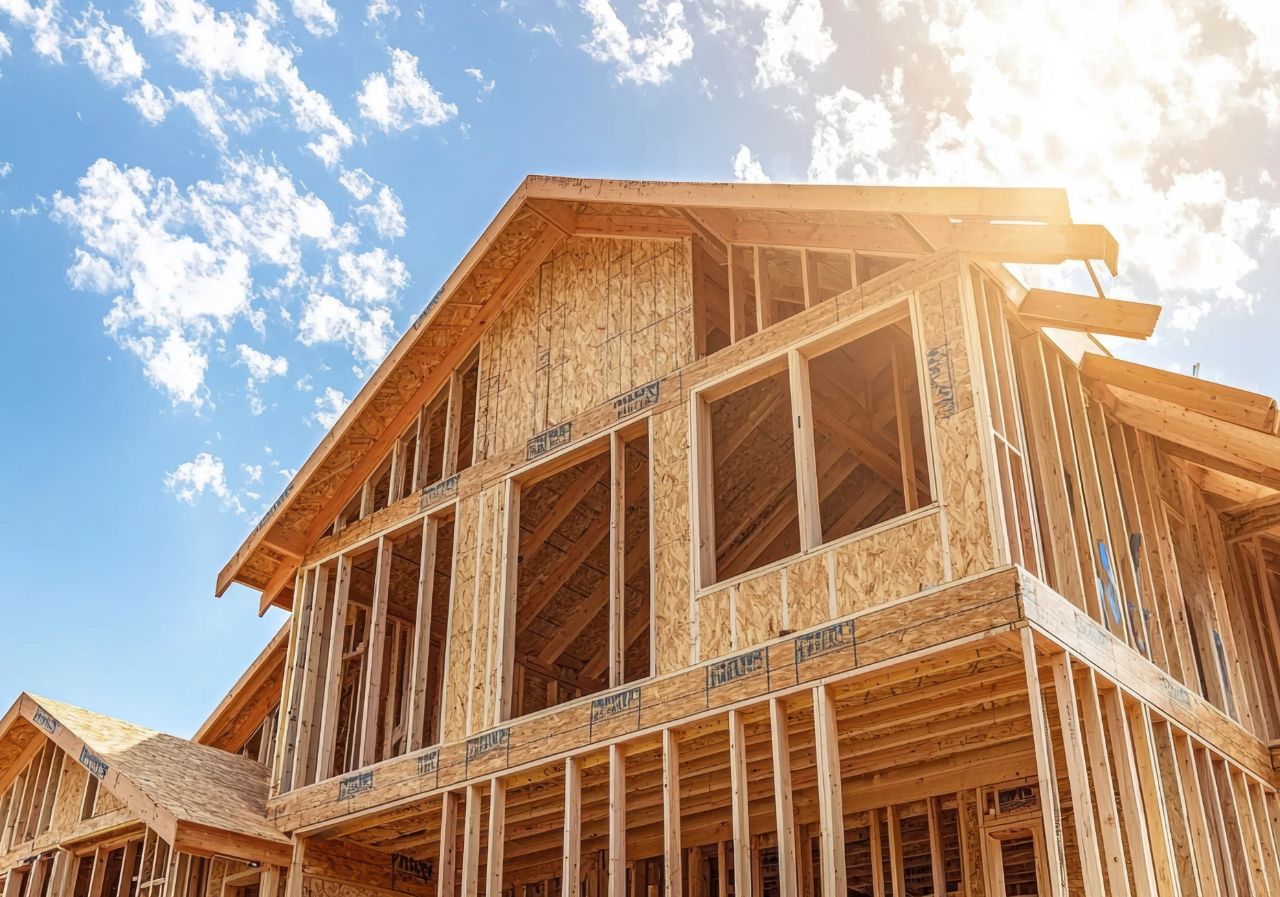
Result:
<point x="204" y="473"/>
<point x="373" y="277"/>
<point x="746" y="167"/>
<point x="401" y="98"/>
<point x="252" y="472"/>
<point x="5" y="168"/>
<point x="42" y="20"/>
<point x="794" y="33"/>
<point x="107" y="50"/>
<point x="150" y="102"/>
<point x="385" y="213"/>
<point x="261" y="365"/>
<point x="357" y="182"/>
<point x="327" y="319"/>
<point x="486" y="87"/>
<point x="379" y="10"/>
<point x="663" y="44"/>
<point x="178" y="262"/>
<point x="234" y="47"/>
<point x="317" y="16"/>
<point x="328" y="408"/>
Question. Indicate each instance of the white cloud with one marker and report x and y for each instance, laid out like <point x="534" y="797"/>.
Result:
<point x="853" y="138"/>
<point x="379" y="9"/>
<point x="373" y="277"/>
<point x="42" y="20"/>
<point x="223" y="46"/>
<point x="326" y="319"/>
<point x="357" y="182"/>
<point x="5" y="168"/>
<point x="107" y="50"/>
<point x="649" y="57"/>
<point x="204" y="473"/>
<point x="174" y="364"/>
<point x="253" y="472"/>
<point x="261" y="365"/>
<point x="794" y="32"/>
<point x="211" y="112"/>
<point x="486" y="87"/>
<point x="385" y="213"/>
<point x="179" y="262"/>
<point x="405" y="99"/>
<point x="746" y="167"/>
<point x="317" y="16"/>
<point x="5" y="47"/>
<point x="987" y="104"/>
<point x="150" y="102"/>
<point x="328" y="408"/>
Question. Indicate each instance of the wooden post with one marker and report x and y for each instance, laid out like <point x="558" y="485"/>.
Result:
<point x="1051" y="816"/>
<point x="810" y="516"/>
<point x="1078" y="777"/>
<point x="497" y="836"/>
<point x="374" y="651"/>
<point x="906" y="450"/>
<point x="1197" y="819"/>
<point x="830" y="796"/>
<point x="877" y="853"/>
<point x="268" y="883"/>
<point x="471" y="843"/>
<point x="783" y="800"/>
<point x="98" y="873"/>
<point x="1100" y="764"/>
<point x="420" y="665"/>
<point x="571" y="859"/>
<point x="332" y="683"/>
<point x="672" y="853"/>
<point x="293" y="881"/>
<point x="617" y="558"/>
<point x="740" y="806"/>
<point x="1152" y="793"/>
<point x="617" y="858"/>
<point x="897" y="871"/>
<point x="937" y="860"/>
<point x="447" y="874"/>
<point x="1137" y="832"/>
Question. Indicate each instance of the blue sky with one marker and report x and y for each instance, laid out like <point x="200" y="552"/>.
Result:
<point x="215" y="219"/>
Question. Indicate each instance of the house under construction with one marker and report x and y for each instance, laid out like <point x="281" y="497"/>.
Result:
<point x="729" y="539"/>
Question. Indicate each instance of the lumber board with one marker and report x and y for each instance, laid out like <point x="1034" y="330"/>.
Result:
<point x="1091" y="314"/>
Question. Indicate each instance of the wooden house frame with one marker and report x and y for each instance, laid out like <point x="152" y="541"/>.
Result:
<point x="773" y="540"/>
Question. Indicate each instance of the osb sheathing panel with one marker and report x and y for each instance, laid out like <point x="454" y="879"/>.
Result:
<point x="471" y="676"/>
<point x="598" y="318"/>
<point x="951" y="397"/>
<point x="888" y="564"/>
<point x="66" y="807"/>
<point x="670" y="474"/>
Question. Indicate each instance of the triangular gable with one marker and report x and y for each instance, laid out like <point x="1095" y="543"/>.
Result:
<point x="196" y="798"/>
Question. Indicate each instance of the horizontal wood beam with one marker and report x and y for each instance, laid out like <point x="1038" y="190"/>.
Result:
<point x="1049" y="244"/>
<point x="1245" y="448"/>
<point x="1249" y="519"/>
<point x="1227" y="403"/>
<point x="998" y="203"/>
<point x="1073" y="311"/>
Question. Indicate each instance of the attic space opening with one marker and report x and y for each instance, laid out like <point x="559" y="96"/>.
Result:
<point x="582" y="580"/>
